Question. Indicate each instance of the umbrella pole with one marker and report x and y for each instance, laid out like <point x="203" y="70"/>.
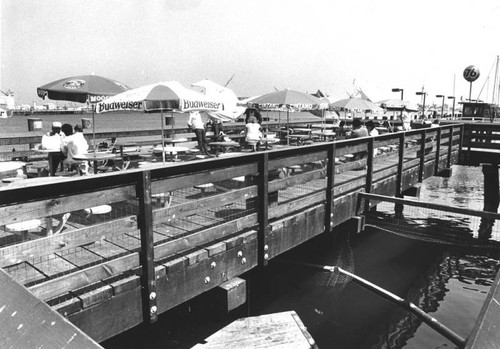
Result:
<point x="288" y="126"/>
<point x="162" y="138"/>
<point x="93" y="127"/>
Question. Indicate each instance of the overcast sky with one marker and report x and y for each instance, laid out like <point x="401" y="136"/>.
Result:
<point x="331" y="45"/>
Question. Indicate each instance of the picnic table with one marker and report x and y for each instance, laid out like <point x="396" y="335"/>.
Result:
<point x="223" y="145"/>
<point x="96" y="157"/>
<point x="52" y="155"/>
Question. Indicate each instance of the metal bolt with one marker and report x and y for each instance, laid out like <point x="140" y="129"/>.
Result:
<point x="152" y="295"/>
<point x="153" y="309"/>
<point x="266" y="256"/>
<point x="207" y="279"/>
<point x="266" y="247"/>
<point x="243" y="260"/>
<point x="240" y="254"/>
<point x="213" y="265"/>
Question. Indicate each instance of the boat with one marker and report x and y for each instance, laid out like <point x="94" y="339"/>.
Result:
<point x="477" y="110"/>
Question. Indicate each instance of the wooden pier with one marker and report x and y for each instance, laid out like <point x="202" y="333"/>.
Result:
<point x="166" y="241"/>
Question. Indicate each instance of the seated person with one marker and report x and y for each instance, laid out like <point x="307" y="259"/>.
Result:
<point x="253" y="133"/>
<point x="358" y="131"/>
<point x="76" y="144"/>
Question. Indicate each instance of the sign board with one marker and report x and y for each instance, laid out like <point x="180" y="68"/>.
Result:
<point x="86" y="123"/>
<point x="471" y="73"/>
<point x="34" y="124"/>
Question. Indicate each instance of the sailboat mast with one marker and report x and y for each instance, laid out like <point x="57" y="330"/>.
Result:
<point x="496" y="84"/>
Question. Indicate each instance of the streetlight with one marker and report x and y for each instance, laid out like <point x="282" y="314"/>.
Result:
<point x="442" y="103"/>
<point x="453" y="107"/>
<point x="423" y="104"/>
<point x="398" y="90"/>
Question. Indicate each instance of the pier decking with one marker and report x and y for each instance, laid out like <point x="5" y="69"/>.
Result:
<point x="165" y="241"/>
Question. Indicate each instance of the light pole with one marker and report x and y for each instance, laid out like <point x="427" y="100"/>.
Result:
<point x="423" y="104"/>
<point x="453" y="107"/>
<point x="398" y="90"/>
<point x="442" y="103"/>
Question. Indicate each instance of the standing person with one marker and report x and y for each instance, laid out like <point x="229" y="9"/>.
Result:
<point x="195" y="122"/>
<point x="52" y="140"/>
<point x="406" y="120"/>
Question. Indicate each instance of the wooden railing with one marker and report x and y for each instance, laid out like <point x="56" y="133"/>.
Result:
<point x="210" y="220"/>
<point x="481" y="143"/>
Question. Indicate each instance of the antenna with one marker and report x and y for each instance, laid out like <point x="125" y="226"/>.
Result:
<point x="228" y="81"/>
<point x="275" y="88"/>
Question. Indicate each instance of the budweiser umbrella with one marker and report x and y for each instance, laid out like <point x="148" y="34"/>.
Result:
<point x="82" y="89"/>
<point x="232" y="110"/>
<point x="289" y="101"/>
<point x="171" y="96"/>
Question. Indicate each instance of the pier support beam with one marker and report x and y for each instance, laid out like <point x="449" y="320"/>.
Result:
<point x="356" y="224"/>
<point x="445" y="172"/>
<point x="491" y="198"/>
<point x="231" y="294"/>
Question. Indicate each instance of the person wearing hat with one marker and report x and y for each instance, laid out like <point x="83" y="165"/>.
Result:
<point x="52" y="140"/>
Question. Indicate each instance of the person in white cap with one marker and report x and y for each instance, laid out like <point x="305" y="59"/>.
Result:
<point x="52" y="140"/>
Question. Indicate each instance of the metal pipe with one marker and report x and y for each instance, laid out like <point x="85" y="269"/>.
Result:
<point x="422" y="315"/>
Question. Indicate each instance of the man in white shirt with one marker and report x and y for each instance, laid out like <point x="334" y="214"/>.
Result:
<point x="196" y="123"/>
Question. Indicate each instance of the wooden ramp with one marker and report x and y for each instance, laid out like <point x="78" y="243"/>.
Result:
<point x="281" y="330"/>
<point x="27" y="322"/>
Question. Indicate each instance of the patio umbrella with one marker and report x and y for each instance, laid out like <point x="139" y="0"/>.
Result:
<point x="356" y="104"/>
<point x="232" y="110"/>
<point x="170" y="95"/>
<point x="289" y="101"/>
<point x="82" y="89"/>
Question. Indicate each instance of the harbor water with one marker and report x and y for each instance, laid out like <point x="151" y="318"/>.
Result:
<point x="448" y="282"/>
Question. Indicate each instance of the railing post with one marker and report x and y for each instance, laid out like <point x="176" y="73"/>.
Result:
<point x="461" y="156"/>
<point x="369" y="170"/>
<point x="263" y="208"/>
<point x="450" y="143"/>
<point x="330" y="183"/>
<point x="398" y="208"/>
<point x="438" y="150"/>
<point x="422" y="156"/>
<point x="401" y="152"/>
<point x="146" y="255"/>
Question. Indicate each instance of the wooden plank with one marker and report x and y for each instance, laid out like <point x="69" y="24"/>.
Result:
<point x="105" y="249"/>
<point x="107" y="319"/>
<point x="65" y="241"/>
<point x="278" y="330"/>
<point x="192" y="207"/>
<point x="25" y="273"/>
<point x="183" y="283"/>
<point x="80" y="278"/>
<point x="204" y="237"/>
<point x="79" y="256"/>
<point x="27" y="322"/>
<point x="24" y="211"/>
<point x="190" y="180"/>
<point x="52" y="265"/>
